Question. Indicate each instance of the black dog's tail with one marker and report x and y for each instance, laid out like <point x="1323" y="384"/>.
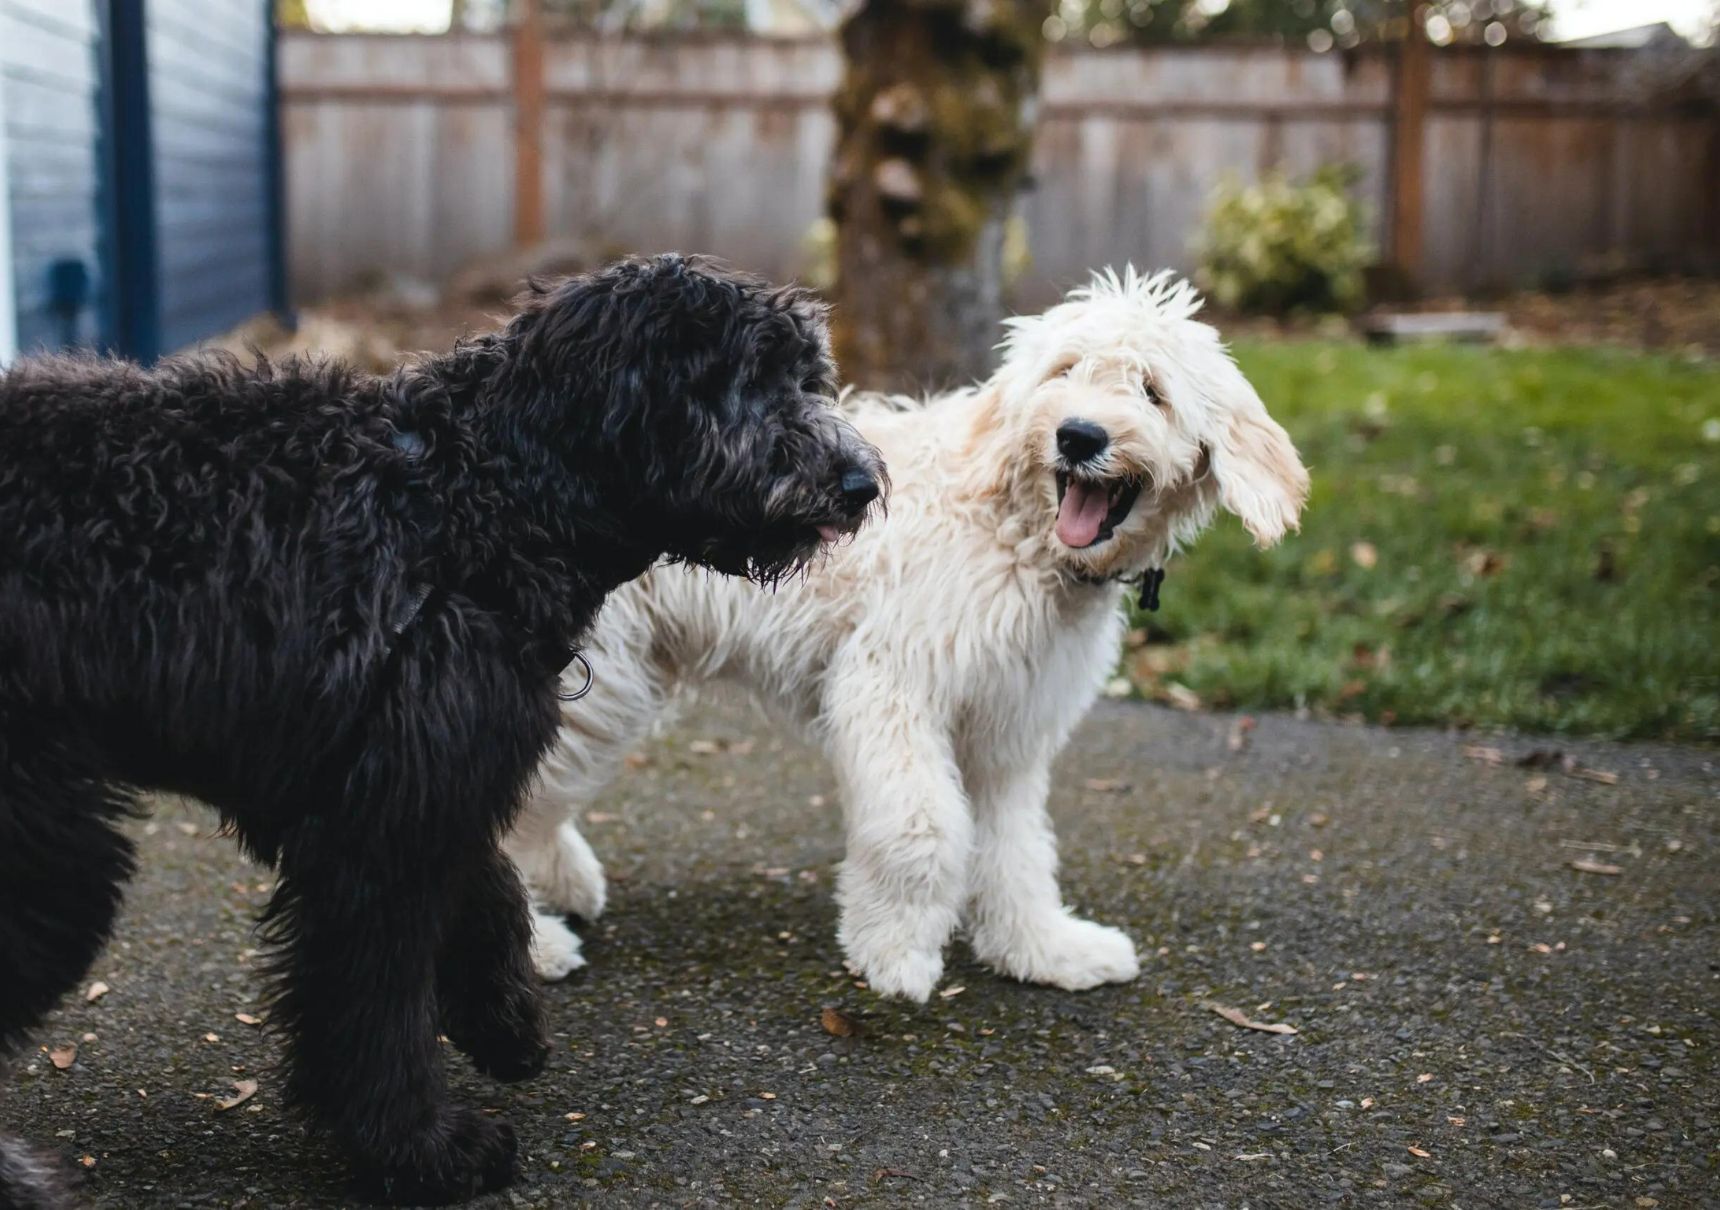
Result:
<point x="28" y="1181"/>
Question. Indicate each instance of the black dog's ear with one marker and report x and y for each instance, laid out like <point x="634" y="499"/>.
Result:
<point x="634" y="357"/>
<point x="591" y="324"/>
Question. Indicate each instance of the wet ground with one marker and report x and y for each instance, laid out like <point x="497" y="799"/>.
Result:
<point x="1503" y="980"/>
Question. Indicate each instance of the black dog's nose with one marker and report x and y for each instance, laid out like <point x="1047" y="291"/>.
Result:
<point x="859" y="488"/>
<point x="1079" y="440"/>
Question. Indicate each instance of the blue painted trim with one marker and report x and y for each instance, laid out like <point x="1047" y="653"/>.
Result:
<point x="8" y="288"/>
<point x="280" y="288"/>
<point x="136" y="265"/>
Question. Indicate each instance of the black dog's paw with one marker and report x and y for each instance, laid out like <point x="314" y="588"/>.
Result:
<point x="464" y="1155"/>
<point x="509" y="1047"/>
<point x="507" y="1058"/>
<point x="504" y="1036"/>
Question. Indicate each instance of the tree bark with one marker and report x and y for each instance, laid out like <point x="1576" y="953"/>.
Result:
<point x="935" y="128"/>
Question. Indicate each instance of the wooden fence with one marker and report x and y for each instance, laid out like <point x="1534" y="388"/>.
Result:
<point x="1480" y="167"/>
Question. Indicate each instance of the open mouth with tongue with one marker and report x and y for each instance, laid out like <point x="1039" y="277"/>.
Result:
<point x="1089" y="510"/>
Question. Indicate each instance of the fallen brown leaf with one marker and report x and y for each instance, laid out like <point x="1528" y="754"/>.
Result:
<point x="1424" y="1077"/>
<point x="247" y="1019"/>
<point x="89" y="1161"/>
<point x="243" y="1090"/>
<point x="1239" y="1018"/>
<point x="883" y="1174"/>
<point x="950" y="993"/>
<point x="98" y="989"/>
<point x="1584" y="866"/>
<point x="600" y="817"/>
<point x="1182" y="697"/>
<point x="1237" y="740"/>
<point x="636" y="760"/>
<point x="63" y="1057"/>
<point x="1107" y="785"/>
<point x="1417" y="1151"/>
<point x="1604" y="776"/>
<point x="837" y="1023"/>
<point x="1487" y="756"/>
<point x="1484" y="563"/>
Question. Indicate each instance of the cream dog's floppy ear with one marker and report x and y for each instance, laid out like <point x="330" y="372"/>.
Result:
<point x="1259" y="476"/>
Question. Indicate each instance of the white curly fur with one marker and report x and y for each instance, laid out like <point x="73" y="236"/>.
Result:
<point x="942" y="658"/>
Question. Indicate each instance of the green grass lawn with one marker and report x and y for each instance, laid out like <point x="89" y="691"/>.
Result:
<point x="1519" y="538"/>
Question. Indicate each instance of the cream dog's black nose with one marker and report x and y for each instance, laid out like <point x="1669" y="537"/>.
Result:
<point x="1079" y="440"/>
<point x="859" y="488"/>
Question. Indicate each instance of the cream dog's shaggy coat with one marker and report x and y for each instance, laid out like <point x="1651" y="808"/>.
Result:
<point x="943" y="658"/>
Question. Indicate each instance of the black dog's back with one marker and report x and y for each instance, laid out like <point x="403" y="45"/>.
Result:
<point x="204" y="540"/>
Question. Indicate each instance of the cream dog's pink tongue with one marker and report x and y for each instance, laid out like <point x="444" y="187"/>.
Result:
<point x="1081" y="513"/>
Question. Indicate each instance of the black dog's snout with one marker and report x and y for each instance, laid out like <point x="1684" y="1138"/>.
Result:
<point x="1079" y="440"/>
<point x="859" y="488"/>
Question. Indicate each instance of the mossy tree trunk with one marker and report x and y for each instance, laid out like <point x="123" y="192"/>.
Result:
<point x="935" y="126"/>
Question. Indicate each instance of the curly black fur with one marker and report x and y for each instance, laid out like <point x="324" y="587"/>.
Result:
<point x="207" y="578"/>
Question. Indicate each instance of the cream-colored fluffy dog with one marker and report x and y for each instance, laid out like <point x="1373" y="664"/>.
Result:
<point x="942" y="659"/>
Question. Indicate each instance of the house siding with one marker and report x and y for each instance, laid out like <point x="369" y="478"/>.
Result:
<point x="209" y="106"/>
<point x="50" y="69"/>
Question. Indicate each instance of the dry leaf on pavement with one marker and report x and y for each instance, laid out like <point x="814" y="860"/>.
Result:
<point x="98" y="989"/>
<point x="1237" y="740"/>
<point x="1584" y="866"/>
<point x="837" y="1023"/>
<point x="243" y="1090"/>
<point x="1239" y="1018"/>
<point x="63" y="1057"/>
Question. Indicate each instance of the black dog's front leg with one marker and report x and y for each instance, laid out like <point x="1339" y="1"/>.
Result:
<point x="489" y="998"/>
<point x="362" y="927"/>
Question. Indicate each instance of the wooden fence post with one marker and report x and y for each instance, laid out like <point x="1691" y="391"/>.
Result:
<point x="1409" y="137"/>
<point x="528" y="123"/>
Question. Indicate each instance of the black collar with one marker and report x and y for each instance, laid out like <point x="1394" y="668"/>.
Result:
<point x="1148" y="581"/>
<point x="425" y="598"/>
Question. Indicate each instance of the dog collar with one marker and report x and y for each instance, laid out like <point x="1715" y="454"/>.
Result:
<point x="1148" y="582"/>
<point x="418" y="601"/>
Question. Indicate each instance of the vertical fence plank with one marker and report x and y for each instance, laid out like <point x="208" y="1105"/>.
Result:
<point x="528" y="123"/>
<point x="1409" y="138"/>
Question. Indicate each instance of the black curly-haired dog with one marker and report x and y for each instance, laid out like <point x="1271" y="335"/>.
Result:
<point x="334" y="606"/>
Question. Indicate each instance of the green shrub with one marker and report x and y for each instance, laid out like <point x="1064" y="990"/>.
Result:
<point x="1278" y="245"/>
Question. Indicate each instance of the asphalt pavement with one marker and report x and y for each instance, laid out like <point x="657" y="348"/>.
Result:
<point x="1503" y="980"/>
